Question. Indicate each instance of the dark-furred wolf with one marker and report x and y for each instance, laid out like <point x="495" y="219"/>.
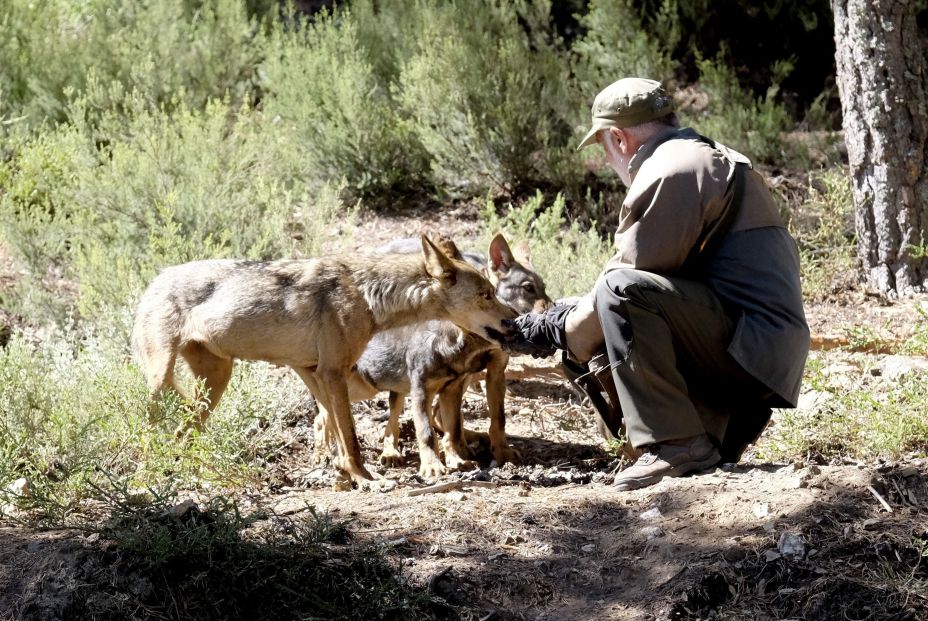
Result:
<point x="439" y="358"/>
<point x="313" y="315"/>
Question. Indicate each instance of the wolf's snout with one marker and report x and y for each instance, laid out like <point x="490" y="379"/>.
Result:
<point x="507" y="331"/>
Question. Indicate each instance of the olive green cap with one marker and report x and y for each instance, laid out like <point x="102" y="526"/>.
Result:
<point x="626" y="103"/>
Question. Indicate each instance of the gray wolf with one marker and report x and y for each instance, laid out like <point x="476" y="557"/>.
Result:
<point x="440" y="359"/>
<point x="314" y="315"/>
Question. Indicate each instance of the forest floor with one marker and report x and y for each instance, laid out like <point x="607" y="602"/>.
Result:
<point x="549" y="538"/>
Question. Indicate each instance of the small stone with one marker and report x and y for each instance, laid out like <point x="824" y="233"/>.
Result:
<point x="457" y="496"/>
<point x="651" y="514"/>
<point x="588" y="547"/>
<point x="791" y="544"/>
<point x="761" y="510"/>
<point x="652" y="532"/>
<point x="771" y="555"/>
<point x="908" y="471"/>
<point x="871" y="523"/>
<point x="796" y="482"/>
<point x="181" y="509"/>
<point x="20" y="487"/>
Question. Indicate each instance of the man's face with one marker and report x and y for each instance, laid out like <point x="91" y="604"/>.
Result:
<point x="615" y="156"/>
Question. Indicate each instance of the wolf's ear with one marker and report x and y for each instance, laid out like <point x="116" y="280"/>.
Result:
<point x="522" y="253"/>
<point x="500" y="255"/>
<point x="437" y="263"/>
<point x="447" y="245"/>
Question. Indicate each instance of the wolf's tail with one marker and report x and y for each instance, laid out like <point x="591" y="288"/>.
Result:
<point x="155" y="340"/>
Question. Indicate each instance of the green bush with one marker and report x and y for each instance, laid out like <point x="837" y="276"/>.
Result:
<point x="875" y="419"/>
<point x="342" y="120"/>
<point x="486" y="101"/>
<point x="616" y="45"/>
<point x="823" y="226"/>
<point x="167" y="50"/>
<point x="735" y="118"/>
<point x="75" y="411"/>
<point x="109" y="206"/>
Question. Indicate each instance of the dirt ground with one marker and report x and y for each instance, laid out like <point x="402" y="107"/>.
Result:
<point x="549" y="539"/>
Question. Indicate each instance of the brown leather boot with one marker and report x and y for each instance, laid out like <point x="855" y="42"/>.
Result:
<point x="672" y="458"/>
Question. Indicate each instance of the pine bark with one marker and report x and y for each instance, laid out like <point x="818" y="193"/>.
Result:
<point x="882" y="77"/>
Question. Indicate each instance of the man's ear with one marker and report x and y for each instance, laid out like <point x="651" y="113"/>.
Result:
<point x="621" y="139"/>
<point x="500" y="255"/>
<point x="437" y="263"/>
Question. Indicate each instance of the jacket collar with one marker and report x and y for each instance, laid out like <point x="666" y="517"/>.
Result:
<point x="647" y="149"/>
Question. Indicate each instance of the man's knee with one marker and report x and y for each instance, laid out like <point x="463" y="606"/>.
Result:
<point x="619" y="286"/>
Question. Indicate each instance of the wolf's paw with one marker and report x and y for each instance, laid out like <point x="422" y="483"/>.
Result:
<point x="391" y="458"/>
<point x="455" y="450"/>
<point x="471" y="436"/>
<point x="503" y="454"/>
<point x="456" y="462"/>
<point x="354" y="470"/>
<point x="432" y="468"/>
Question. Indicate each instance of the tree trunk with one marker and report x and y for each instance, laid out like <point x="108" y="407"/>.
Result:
<point x="882" y="78"/>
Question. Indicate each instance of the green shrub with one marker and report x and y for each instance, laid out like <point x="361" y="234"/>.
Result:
<point x="875" y="419"/>
<point x="75" y="410"/>
<point x="162" y="188"/>
<point x="551" y="242"/>
<point x="735" y="118"/>
<point x="486" y="101"/>
<point x="168" y="51"/>
<point x="339" y="113"/>
<point x="823" y="226"/>
<point x="617" y="42"/>
<point x="617" y="45"/>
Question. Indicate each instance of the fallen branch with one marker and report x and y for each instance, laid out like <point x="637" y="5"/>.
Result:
<point x="882" y="500"/>
<point x="825" y="342"/>
<point x="450" y="486"/>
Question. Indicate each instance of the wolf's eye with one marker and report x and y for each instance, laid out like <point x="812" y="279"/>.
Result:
<point x="488" y="295"/>
<point x="529" y="288"/>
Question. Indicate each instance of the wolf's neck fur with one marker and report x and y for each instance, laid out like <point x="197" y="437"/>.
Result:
<point x="399" y="291"/>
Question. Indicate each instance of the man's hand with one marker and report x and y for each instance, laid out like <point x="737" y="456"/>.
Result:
<point x="539" y="334"/>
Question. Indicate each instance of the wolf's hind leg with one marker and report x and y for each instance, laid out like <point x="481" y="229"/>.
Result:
<point x="391" y="436"/>
<point x="429" y="462"/>
<point x="457" y="454"/>
<point x="215" y="373"/>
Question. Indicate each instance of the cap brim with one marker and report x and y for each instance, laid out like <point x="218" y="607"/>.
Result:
<point x="590" y="137"/>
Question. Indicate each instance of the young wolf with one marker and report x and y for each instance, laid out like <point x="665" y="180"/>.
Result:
<point x="314" y="315"/>
<point x="438" y="358"/>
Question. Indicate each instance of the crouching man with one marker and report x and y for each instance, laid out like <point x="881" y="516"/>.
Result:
<point x="700" y="310"/>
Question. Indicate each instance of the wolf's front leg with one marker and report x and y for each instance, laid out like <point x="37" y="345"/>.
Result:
<point x="496" y="396"/>
<point x="330" y="388"/>
<point x="430" y="465"/>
